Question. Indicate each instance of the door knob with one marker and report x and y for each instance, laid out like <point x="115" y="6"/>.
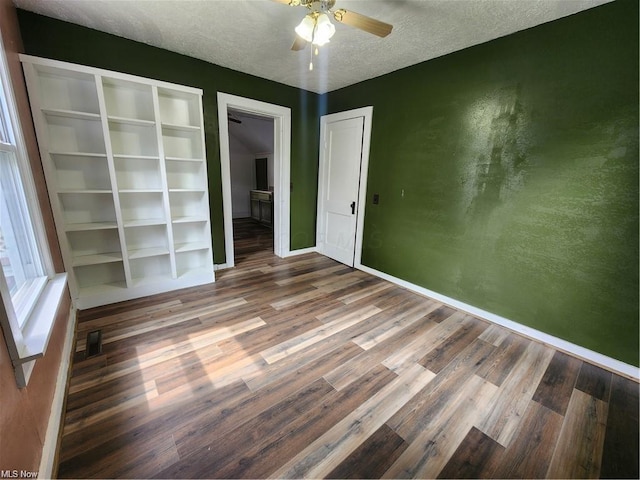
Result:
<point x="353" y="208"/>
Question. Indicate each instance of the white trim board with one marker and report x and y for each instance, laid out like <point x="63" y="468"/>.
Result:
<point x="608" y="363"/>
<point x="281" y="165"/>
<point x="50" y="447"/>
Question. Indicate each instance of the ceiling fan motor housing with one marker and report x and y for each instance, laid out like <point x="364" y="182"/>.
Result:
<point x="319" y="5"/>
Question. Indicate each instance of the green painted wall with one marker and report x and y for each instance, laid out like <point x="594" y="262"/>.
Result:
<point x="46" y="37"/>
<point x="507" y="172"/>
<point x="518" y="160"/>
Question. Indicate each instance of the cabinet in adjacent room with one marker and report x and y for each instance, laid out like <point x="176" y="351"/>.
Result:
<point x="126" y="172"/>
<point x="262" y="206"/>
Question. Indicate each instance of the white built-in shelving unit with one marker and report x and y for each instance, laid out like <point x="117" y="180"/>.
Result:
<point x="126" y="171"/>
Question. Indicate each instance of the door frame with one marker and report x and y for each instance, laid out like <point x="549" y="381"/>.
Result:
<point x="367" y="114"/>
<point x="281" y="170"/>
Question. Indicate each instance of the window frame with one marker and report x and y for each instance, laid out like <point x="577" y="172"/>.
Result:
<point x="27" y="338"/>
<point x="24" y="253"/>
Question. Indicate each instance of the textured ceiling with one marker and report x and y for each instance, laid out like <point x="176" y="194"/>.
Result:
<point x="255" y="36"/>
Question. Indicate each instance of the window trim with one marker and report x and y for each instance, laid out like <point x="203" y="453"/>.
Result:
<point x="29" y="342"/>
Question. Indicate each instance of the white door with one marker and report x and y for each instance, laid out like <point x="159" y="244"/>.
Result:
<point x="339" y="194"/>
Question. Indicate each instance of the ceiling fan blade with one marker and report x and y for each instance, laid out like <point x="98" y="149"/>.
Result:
<point x="298" y="44"/>
<point x="363" y="22"/>
<point x="292" y="3"/>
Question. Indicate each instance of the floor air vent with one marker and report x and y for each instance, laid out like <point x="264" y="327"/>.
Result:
<point x="94" y="343"/>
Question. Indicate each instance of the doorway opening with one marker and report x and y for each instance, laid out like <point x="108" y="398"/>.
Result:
<point x="270" y="206"/>
<point x="252" y="182"/>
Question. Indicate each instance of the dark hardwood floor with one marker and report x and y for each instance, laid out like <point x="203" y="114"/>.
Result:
<point x="303" y="367"/>
<point x="250" y="237"/>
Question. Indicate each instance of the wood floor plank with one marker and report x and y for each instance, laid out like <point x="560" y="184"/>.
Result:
<point x="130" y="367"/>
<point x="274" y="333"/>
<point x="185" y="368"/>
<point x="163" y="354"/>
<point x="443" y="354"/>
<point x="556" y="386"/>
<point x="131" y="315"/>
<point x="341" y="284"/>
<point x="308" y="294"/>
<point x="279" y="370"/>
<point x="384" y="300"/>
<point x="397" y="296"/>
<point x="81" y="416"/>
<point x="477" y="456"/>
<point x="261" y="459"/>
<point x="516" y="391"/>
<point x="145" y="461"/>
<point x="594" y="381"/>
<point x="215" y="451"/>
<point x="506" y="356"/>
<point x="423" y="344"/>
<point x="424" y="409"/>
<point x="332" y="283"/>
<point x="397" y="322"/>
<point x="131" y="307"/>
<point x="255" y="403"/>
<point x="129" y="349"/>
<point x="529" y="455"/>
<point x="138" y="460"/>
<point x="328" y="451"/>
<point x="413" y="322"/>
<point x="153" y="324"/>
<point x="441" y="313"/>
<point x="370" y="289"/>
<point x="366" y="461"/>
<point x="311" y="275"/>
<point x="579" y="450"/>
<point x="309" y="354"/>
<point x="82" y="365"/>
<point x="300" y="342"/>
<point x="495" y="335"/>
<point x="620" y="450"/>
<point x="143" y="422"/>
<point x="431" y="448"/>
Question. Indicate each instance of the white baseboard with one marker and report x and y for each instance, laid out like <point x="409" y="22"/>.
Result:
<point x="221" y="266"/>
<point x="596" y="358"/>
<point x="301" y="251"/>
<point x="50" y="447"/>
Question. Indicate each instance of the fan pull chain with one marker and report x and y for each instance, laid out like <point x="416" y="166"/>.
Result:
<point x="313" y="37"/>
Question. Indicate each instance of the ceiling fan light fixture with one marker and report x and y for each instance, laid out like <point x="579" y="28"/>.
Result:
<point x="306" y="26"/>
<point x="316" y="28"/>
<point x="324" y="30"/>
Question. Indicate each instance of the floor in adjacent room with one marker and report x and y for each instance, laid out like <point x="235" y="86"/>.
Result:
<point x="303" y="367"/>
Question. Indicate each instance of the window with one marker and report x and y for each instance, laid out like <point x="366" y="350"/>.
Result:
<point x="19" y="254"/>
<point x="29" y="288"/>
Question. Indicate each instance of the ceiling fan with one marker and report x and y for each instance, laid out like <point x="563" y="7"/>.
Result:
<point x="316" y="27"/>
<point x="232" y="118"/>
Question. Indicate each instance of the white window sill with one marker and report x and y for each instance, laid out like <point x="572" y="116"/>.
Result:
<point x="38" y="328"/>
